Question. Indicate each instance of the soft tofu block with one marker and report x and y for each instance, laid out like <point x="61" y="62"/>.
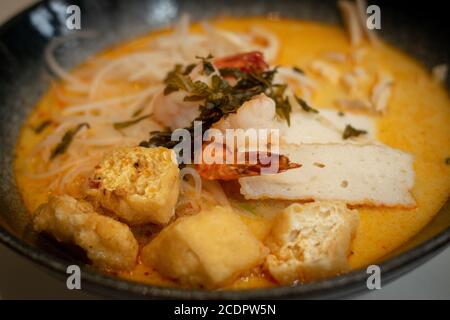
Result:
<point x="209" y="249"/>
<point x="139" y="185"/>
<point x="311" y="241"/>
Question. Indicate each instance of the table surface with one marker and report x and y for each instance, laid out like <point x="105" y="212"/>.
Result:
<point x="20" y="279"/>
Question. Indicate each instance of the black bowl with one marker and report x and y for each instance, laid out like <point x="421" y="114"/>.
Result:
<point x="420" y="31"/>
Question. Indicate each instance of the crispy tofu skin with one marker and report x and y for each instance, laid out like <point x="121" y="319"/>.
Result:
<point x="110" y="244"/>
<point x="209" y="249"/>
<point x="139" y="185"/>
<point x="311" y="241"/>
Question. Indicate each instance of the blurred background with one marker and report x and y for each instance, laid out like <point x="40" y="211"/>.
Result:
<point x="20" y="279"/>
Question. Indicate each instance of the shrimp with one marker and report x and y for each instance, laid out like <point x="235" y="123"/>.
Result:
<point x="244" y="164"/>
<point x="246" y="62"/>
<point x="256" y="113"/>
<point x="174" y="112"/>
<point x="255" y="124"/>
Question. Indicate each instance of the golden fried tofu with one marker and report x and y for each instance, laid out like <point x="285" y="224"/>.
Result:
<point x="139" y="185"/>
<point x="109" y="244"/>
<point x="311" y="241"/>
<point x="208" y="250"/>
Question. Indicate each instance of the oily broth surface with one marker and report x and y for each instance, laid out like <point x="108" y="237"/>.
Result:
<point x="417" y="121"/>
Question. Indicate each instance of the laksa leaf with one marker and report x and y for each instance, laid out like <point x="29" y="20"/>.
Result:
<point x="126" y="124"/>
<point x="350" y="132"/>
<point x="305" y="106"/>
<point x="208" y="67"/>
<point x="176" y="80"/>
<point x="66" y="140"/>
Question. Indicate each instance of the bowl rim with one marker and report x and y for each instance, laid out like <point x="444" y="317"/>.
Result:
<point x="340" y="285"/>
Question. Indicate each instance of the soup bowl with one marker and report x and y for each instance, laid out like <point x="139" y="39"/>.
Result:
<point x="24" y="77"/>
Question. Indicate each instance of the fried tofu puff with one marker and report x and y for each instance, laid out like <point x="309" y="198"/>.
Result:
<point x="209" y="249"/>
<point x="109" y="244"/>
<point x="311" y="241"/>
<point x="139" y="185"/>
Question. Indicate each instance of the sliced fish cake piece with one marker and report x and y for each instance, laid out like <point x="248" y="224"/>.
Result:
<point x="373" y="175"/>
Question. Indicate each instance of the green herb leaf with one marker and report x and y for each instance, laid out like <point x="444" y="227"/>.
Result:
<point x="305" y="106"/>
<point x="282" y="106"/>
<point x="352" y="132"/>
<point x="126" y="124"/>
<point x="176" y="80"/>
<point x="189" y="69"/>
<point x="138" y="112"/>
<point x="231" y="72"/>
<point x="208" y="67"/>
<point x="298" y="70"/>
<point x="66" y="140"/>
<point x="41" y="127"/>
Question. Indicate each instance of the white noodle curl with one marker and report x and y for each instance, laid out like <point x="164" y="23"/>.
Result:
<point x="54" y="65"/>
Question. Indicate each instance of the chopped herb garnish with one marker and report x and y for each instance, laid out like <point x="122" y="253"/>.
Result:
<point x="341" y="114"/>
<point x="41" y="127"/>
<point x="177" y="80"/>
<point x="231" y="72"/>
<point x="208" y="67"/>
<point x="189" y="69"/>
<point x="352" y="132"/>
<point x="138" y="112"/>
<point x="126" y="124"/>
<point x="282" y="106"/>
<point x="447" y="161"/>
<point x="66" y="140"/>
<point x="305" y="106"/>
<point x="298" y="70"/>
<point x="218" y="100"/>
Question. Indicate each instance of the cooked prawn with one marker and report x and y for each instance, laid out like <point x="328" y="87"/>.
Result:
<point x="244" y="164"/>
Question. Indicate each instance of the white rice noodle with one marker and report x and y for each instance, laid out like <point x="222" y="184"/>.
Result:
<point x="381" y="93"/>
<point x="335" y="56"/>
<point x="358" y="104"/>
<point x="131" y="62"/>
<point x="54" y="65"/>
<point x="108" y="102"/>
<point x="325" y="70"/>
<point x="225" y="42"/>
<point x="59" y="169"/>
<point x="195" y="176"/>
<point x="350" y="82"/>
<point x="76" y="172"/>
<point x="352" y="22"/>
<point x="119" y="141"/>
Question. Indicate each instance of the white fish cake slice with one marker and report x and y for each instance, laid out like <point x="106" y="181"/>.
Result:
<point x="326" y="127"/>
<point x="373" y="175"/>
